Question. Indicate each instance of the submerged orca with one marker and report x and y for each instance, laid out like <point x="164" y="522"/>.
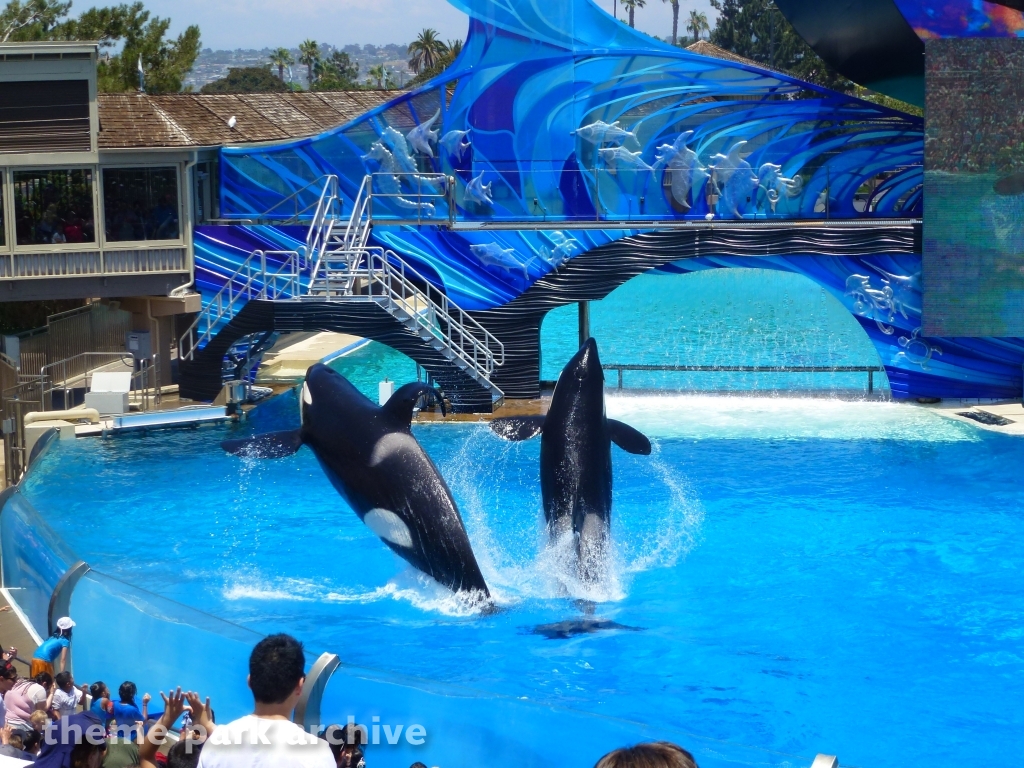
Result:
<point x="371" y="458"/>
<point x="576" y="456"/>
<point x="566" y="630"/>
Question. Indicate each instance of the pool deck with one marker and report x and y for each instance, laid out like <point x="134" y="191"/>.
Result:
<point x="1007" y="411"/>
<point x="14" y="633"/>
<point x="288" y="360"/>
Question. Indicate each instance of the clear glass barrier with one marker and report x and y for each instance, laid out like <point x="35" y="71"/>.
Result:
<point x="34" y="559"/>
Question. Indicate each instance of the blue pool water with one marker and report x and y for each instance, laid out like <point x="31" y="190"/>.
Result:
<point x="806" y="575"/>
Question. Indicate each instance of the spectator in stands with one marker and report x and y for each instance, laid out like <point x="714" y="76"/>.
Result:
<point x="346" y="744"/>
<point x="184" y="754"/>
<point x="268" y="737"/>
<point x="66" y="697"/>
<point x="659" y="754"/>
<point x="126" y="712"/>
<point x="77" y="741"/>
<point x="25" y="697"/>
<point x="56" y="645"/>
<point x="12" y="744"/>
<point x="8" y="677"/>
<point x="99" y="700"/>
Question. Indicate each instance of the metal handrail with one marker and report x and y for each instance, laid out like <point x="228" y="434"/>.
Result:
<point x="323" y="220"/>
<point x="325" y="179"/>
<point x="870" y="370"/>
<point x="256" y="283"/>
<point x="419" y="197"/>
<point x="443" y="319"/>
<point x="355" y="235"/>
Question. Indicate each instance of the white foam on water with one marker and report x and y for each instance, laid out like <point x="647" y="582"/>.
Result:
<point x="760" y="418"/>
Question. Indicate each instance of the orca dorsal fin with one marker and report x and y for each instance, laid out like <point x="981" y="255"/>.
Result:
<point x="628" y="439"/>
<point x="271" y="445"/>
<point x="517" y="428"/>
<point x="400" y="405"/>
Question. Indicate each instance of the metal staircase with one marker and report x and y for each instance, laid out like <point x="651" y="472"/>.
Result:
<point x="339" y="267"/>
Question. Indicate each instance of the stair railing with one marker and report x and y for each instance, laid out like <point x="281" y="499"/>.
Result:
<point x="251" y="281"/>
<point x="391" y="279"/>
<point x="328" y="211"/>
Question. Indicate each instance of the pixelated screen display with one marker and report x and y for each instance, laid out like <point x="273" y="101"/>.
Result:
<point x="974" y="187"/>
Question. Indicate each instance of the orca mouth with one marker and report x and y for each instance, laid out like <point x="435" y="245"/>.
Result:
<point x="588" y="362"/>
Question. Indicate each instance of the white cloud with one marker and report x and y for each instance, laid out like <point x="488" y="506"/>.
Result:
<point x="269" y="23"/>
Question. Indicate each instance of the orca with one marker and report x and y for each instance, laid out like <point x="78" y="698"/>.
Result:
<point x="566" y="630"/>
<point x="372" y="459"/>
<point x="576" y="457"/>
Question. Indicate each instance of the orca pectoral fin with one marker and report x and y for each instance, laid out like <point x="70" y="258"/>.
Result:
<point x="518" y="428"/>
<point x="628" y="439"/>
<point x="272" y="445"/>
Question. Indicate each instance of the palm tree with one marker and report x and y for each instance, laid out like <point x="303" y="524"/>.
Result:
<point x="698" y="24"/>
<point x="426" y="50"/>
<point x="281" y="58"/>
<point x="378" y="73"/>
<point x="309" y="54"/>
<point x="675" y="19"/>
<point x="633" y="5"/>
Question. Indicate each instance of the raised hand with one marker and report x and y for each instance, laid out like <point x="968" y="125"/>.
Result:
<point x="201" y="713"/>
<point x="173" y="705"/>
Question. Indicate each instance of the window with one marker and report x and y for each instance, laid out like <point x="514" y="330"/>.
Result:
<point x="140" y="204"/>
<point x="54" y="206"/>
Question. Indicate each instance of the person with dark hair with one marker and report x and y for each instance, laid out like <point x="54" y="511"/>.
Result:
<point x="54" y="647"/>
<point x="268" y="738"/>
<point x="66" y="697"/>
<point x="77" y="741"/>
<point x="8" y="677"/>
<point x="658" y="754"/>
<point x="126" y="712"/>
<point x="346" y="743"/>
<point x="185" y="753"/>
<point x="25" y="697"/>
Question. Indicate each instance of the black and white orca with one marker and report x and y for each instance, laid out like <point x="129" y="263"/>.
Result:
<point x="576" y="457"/>
<point x="371" y="457"/>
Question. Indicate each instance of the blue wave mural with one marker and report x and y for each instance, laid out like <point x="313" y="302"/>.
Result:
<point x="557" y="113"/>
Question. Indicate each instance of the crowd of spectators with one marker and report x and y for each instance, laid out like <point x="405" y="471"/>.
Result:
<point x="974" y="87"/>
<point x="50" y="721"/>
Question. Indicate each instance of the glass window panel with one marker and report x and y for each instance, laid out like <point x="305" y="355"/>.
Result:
<point x="140" y="204"/>
<point x="54" y="206"/>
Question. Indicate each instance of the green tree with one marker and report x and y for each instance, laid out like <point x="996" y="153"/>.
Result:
<point x="450" y="52"/>
<point x="165" y="62"/>
<point x="337" y="73"/>
<point x="30" y="20"/>
<point x="379" y="75"/>
<point x="632" y="5"/>
<point x="425" y="51"/>
<point x="675" y="20"/>
<point x="281" y="58"/>
<point x="698" y="24"/>
<point x="756" y="29"/>
<point x="309" y="54"/>
<point x="247" y="80"/>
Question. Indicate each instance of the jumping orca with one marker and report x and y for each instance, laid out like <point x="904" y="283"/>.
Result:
<point x="371" y="458"/>
<point x="576" y="457"/>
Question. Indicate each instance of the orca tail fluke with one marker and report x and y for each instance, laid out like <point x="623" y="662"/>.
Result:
<point x="629" y="439"/>
<point x="272" y="445"/>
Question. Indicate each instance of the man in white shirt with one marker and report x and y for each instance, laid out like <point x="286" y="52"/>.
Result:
<point x="268" y="738"/>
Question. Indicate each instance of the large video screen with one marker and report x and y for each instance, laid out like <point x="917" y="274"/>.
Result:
<point x="974" y="187"/>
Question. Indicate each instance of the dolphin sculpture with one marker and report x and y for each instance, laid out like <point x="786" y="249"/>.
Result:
<point x="576" y="457"/>
<point x="493" y="255"/>
<point x="422" y="137"/>
<point x="371" y="458"/>
<point x="621" y="159"/>
<point x="599" y="133"/>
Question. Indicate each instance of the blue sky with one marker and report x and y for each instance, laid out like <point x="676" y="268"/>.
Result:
<point x="270" y="23"/>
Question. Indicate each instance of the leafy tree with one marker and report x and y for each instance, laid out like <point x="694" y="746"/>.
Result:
<point x="425" y="50"/>
<point x="632" y="5"/>
<point x="675" y="20"/>
<point x="309" y="54"/>
<point x="165" y="62"/>
<point x="698" y="24"/>
<point x="380" y="75"/>
<point x="337" y="73"/>
<point x="450" y="52"/>
<point x="247" y="80"/>
<point x="281" y="58"/>
<point x="755" y="29"/>
<point x="30" y="20"/>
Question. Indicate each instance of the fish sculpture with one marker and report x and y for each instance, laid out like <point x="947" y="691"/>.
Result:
<point x="621" y="159"/>
<point x="456" y="143"/>
<point x="685" y="173"/>
<point x="562" y="247"/>
<point x="493" y="255"/>
<point x="479" y="192"/>
<point x="423" y="137"/>
<point x="600" y="133"/>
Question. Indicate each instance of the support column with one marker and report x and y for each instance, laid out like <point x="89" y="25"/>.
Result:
<point x="584" y="315"/>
